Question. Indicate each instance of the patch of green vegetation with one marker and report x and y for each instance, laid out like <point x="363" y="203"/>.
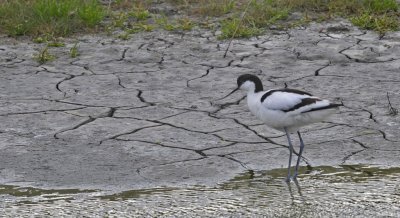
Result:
<point x="265" y="13"/>
<point x="56" y="44"/>
<point x="381" y="24"/>
<point x="50" y="40"/>
<point x="144" y="27"/>
<point x="213" y="8"/>
<point x="39" y="40"/>
<point x="164" y="23"/>
<point x="185" y="24"/>
<point x="40" y="17"/>
<point x="91" y="13"/>
<point x="140" y="13"/>
<point x="44" y="56"/>
<point x="381" y="6"/>
<point x="119" y="19"/>
<point x="235" y="28"/>
<point x="234" y="18"/>
<point x="124" y="36"/>
<point x="74" y="52"/>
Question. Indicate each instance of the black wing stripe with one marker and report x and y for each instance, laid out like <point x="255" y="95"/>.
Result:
<point x="283" y="90"/>
<point x="323" y="108"/>
<point x="266" y="95"/>
<point x="304" y="102"/>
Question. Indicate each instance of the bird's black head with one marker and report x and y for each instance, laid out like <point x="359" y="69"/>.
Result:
<point x="248" y="82"/>
<point x="251" y="78"/>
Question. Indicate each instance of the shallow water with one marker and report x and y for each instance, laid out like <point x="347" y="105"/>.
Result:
<point x="357" y="191"/>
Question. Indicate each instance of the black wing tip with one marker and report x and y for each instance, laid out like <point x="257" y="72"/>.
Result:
<point x="330" y="106"/>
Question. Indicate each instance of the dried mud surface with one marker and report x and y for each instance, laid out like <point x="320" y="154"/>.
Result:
<point x="141" y="113"/>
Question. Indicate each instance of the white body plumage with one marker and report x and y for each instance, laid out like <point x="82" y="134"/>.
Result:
<point x="275" y="110"/>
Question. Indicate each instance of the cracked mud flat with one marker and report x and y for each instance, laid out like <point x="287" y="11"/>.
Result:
<point x="138" y="114"/>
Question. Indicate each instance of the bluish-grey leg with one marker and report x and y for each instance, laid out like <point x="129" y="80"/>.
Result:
<point x="300" y="152"/>
<point x="290" y="154"/>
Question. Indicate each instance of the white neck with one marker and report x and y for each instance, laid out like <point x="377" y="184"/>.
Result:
<point x="249" y="86"/>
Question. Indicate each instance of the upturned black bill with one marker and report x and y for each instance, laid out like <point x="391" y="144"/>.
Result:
<point x="228" y="94"/>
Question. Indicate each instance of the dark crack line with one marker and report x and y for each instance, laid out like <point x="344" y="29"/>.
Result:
<point x="63" y="80"/>
<point x="161" y="60"/>
<point x="86" y="121"/>
<point x="217" y="147"/>
<point x="360" y="143"/>
<point x="345" y="49"/>
<point x="174" y="115"/>
<point x="376" y="62"/>
<point x="131" y="108"/>
<point x="318" y="70"/>
<point x="318" y="41"/>
<point x="186" y="129"/>
<point x="189" y="109"/>
<point x="88" y="69"/>
<point x="385" y="137"/>
<point x="13" y="64"/>
<point x="111" y="112"/>
<point x="250" y="151"/>
<point x="153" y="120"/>
<point x="392" y="111"/>
<point x="371" y="115"/>
<point x="236" y="160"/>
<point x="364" y="61"/>
<point x="183" y="128"/>
<point x="78" y="104"/>
<point x="142" y="45"/>
<point x="244" y="142"/>
<point x="119" y="81"/>
<point x="256" y="133"/>
<point x="197" y="151"/>
<point x="138" y="171"/>
<point x="127" y="133"/>
<point x="329" y="36"/>
<point x="85" y="67"/>
<point x="42" y="111"/>
<point x="123" y="54"/>
<point x="347" y="157"/>
<point x="139" y="95"/>
<point x="218" y="67"/>
<point x="89" y="119"/>
<point x="246" y="56"/>
<point x="204" y="75"/>
<point x="169" y="44"/>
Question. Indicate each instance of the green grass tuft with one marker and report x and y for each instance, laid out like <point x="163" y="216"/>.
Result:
<point x="140" y="14"/>
<point x="44" y="56"/>
<point x="41" y="17"/>
<point x="91" y="13"/>
<point x="235" y="28"/>
<point x="381" y="24"/>
<point x="74" y="52"/>
<point x="381" y="6"/>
